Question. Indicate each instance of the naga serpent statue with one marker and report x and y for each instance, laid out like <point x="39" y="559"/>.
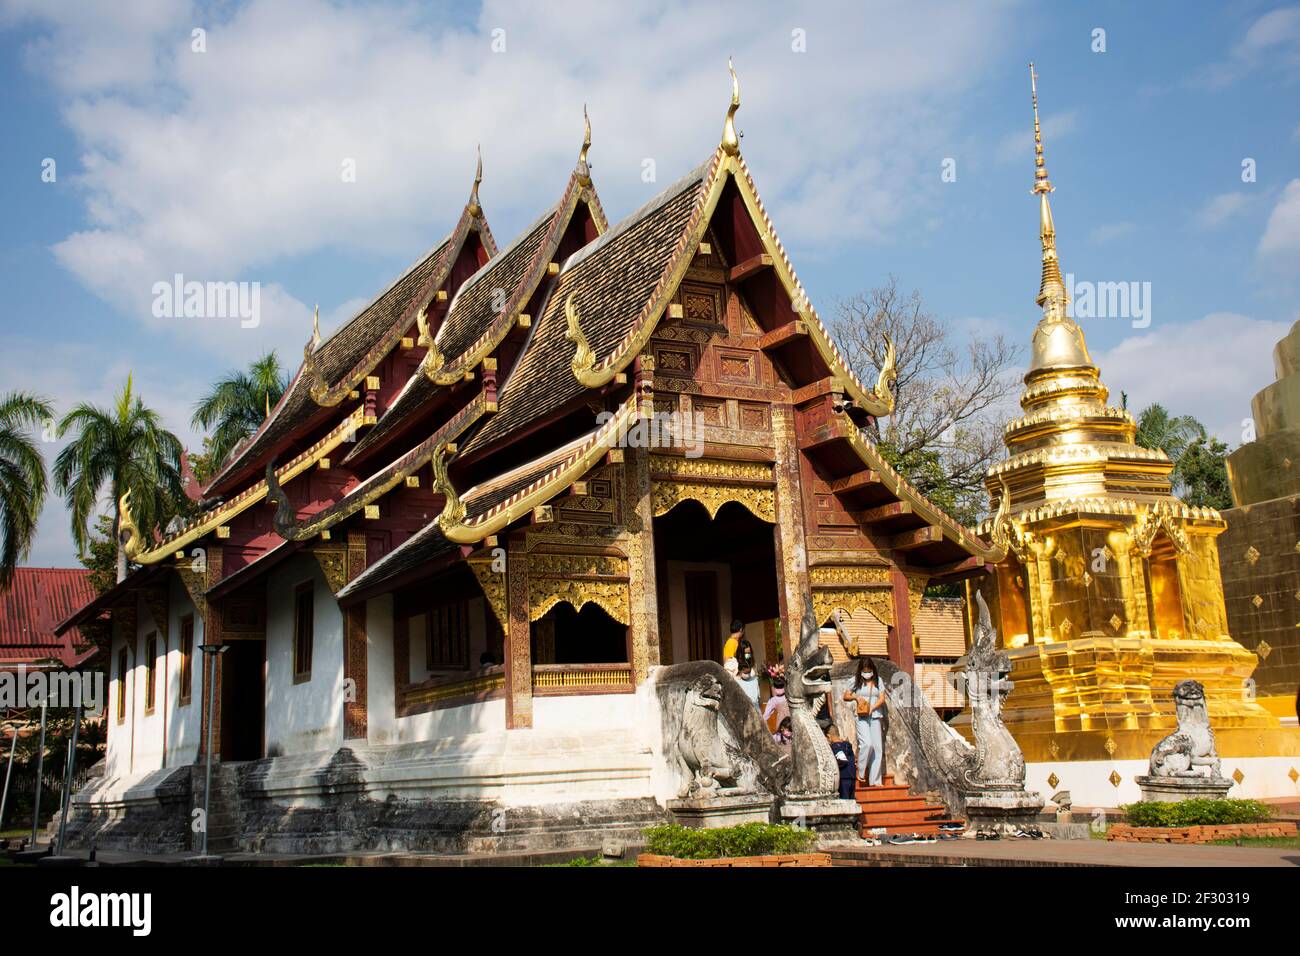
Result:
<point x="807" y="682"/>
<point x="999" y="763"/>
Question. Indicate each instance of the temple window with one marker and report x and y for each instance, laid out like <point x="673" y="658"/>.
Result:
<point x="187" y="659"/>
<point x="589" y="636"/>
<point x="121" y="685"/>
<point x="150" y="671"/>
<point x="447" y="636"/>
<point x="303" y="631"/>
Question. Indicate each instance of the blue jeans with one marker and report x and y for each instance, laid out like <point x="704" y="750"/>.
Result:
<point x="871" y="752"/>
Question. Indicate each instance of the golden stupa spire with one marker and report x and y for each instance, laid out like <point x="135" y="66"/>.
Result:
<point x="730" y="141"/>
<point x="1051" y="292"/>
<point x="473" y="206"/>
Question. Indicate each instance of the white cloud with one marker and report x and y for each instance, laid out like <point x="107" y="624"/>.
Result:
<point x="1272" y="41"/>
<point x="1210" y="368"/>
<point x="1219" y="209"/>
<point x="1279" y="247"/>
<point x="222" y="165"/>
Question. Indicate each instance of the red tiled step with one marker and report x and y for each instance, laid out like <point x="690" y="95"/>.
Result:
<point x="895" y="809"/>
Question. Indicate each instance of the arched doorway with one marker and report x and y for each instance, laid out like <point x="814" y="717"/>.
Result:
<point x="711" y="571"/>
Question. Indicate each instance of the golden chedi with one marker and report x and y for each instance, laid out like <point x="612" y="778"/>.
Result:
<point x="1110" y="592"/>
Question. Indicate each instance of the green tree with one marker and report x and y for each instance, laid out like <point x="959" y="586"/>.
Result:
<point x="1203" y="474"/>
<point x="1156" y="428"/>
<point x="121" y="449"/>
<point x="234" y="409"/>
<point x="22" y="477"/>
<point x="951" y="398"/>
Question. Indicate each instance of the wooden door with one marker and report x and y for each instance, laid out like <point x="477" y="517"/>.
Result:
<point x="702" y="625"/>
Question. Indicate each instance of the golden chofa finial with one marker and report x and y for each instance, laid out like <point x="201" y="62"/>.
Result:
<point x="473" y="206"/>
<point x="730" y="141"/>
<point x="584" y="171"/>
<point x="1041" y="183"/>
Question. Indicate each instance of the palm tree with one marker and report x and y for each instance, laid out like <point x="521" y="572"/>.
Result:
<point x="238" y="404"/>
<point x="1156" y="428"/>
<point x="126" y="449"/>
<point x="22" y="477"/>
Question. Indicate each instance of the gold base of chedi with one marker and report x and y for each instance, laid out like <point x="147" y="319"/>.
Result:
<point x="1110" y="698"/>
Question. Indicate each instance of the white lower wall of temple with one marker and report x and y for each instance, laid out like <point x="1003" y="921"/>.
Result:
<point x="165" y="735"/>
<point x="306" y="716"/>
<point x="1089" y="780"/>
<point x="184" y="721"/>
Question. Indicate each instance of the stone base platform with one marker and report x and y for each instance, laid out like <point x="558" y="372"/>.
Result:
<point x="722" y="811"/>
<point x="1174" y="789"/>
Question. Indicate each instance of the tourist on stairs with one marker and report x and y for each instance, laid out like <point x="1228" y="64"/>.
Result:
<point x="843" y="751"/>
<point x="869" y="697"/>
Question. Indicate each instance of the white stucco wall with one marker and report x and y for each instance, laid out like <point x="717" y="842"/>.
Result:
<point x="303" y="717"/>
<point x="184" y="721"/>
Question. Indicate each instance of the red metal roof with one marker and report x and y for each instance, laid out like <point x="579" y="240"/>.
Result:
<point x="33" y="604"/>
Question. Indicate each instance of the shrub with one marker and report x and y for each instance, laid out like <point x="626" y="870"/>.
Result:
<point x="1192" y="813"/>
<point x="746" y="839"/>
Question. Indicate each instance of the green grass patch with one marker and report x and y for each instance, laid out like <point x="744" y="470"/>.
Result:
<point x="746" y="839"/>
<point x="1195" y="813"/>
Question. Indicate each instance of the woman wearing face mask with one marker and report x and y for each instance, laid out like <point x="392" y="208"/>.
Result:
<point x="869" y="697"/>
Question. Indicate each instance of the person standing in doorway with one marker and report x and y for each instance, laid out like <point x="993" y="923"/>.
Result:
<point x="869" y="698"/>
<point x="749" y="684"/>
<point x="733" y="642"/>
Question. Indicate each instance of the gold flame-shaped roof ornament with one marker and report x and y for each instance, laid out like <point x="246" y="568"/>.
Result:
<point x="584" y="171"/>
<point x="473" y="206"/>
<point x="731" y="141"/>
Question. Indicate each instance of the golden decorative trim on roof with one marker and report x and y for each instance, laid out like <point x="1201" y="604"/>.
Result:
<point x="223" y="513"/>
<point x="575" y="463"/>
<point x="584" y="358"/>
<point x="442" y="371"/>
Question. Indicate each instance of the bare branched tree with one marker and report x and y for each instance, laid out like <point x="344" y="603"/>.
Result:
<point x="946" y="428"/>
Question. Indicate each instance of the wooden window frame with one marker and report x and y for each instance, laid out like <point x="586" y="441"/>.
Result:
<point x="302" y="674"/>
<point x="123" y="659"/>
<point x="448" y="614"/>
<point x="186" y="676"/>
<point x="150" y="673"/>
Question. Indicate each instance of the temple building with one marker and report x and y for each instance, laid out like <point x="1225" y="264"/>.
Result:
<point x="1110" y="592"/>
<point x="484" y="509"/>
<point x="1260" y="551"/>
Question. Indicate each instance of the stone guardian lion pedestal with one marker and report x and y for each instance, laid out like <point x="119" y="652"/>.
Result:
<point x="1185" y="766"/>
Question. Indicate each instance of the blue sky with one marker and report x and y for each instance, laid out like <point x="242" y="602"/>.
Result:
<point x="225" y="164"/>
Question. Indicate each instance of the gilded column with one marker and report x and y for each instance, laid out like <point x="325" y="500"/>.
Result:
<point x="355" y="662"/>
<point x="643" y="595"/>
<point x="519" y="656"/>
<point x="213" y="561"/>
<point x="791" y="544"/>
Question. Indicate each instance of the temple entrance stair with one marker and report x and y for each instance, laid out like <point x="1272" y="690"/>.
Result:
<point x="894" y="808"/>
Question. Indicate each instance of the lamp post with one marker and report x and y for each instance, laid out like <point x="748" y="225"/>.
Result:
<point x="67" y="785"/>
<point x="210" y="654"/>
<point x="13" y="745"/>
<point x="40" y="768"/>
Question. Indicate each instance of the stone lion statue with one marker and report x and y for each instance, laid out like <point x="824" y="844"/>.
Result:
<point x="1191" y="747"/>
<point x="705" y="765"/>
